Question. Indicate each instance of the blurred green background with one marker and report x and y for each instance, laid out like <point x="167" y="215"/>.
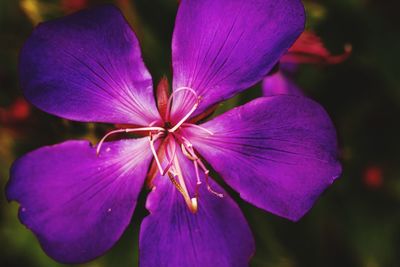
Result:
<point x="355" y="223"/>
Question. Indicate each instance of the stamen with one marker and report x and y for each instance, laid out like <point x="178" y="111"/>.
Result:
<point x="185" y="117"/>
<point x="212" y="191"/>
<point x="188" y="150"/>
<point x="176" y="184"/>
<point x="180" y="89"/>
<point x="170" y="159"/>
<point x="194" y="158"/>
<point x="198" y="181"/>
<point x="187" y="154"/>
<point x="197" y="126"/>
<point x="206" y="172"/>
<point x="196" y="168"/>
<point x="194" y="204"/>
<point x="190" y="202"/>
<point x="186" y="142"/>
<point x="127" y="130"/>
<point x="153" y="150"/>
<point x="181" y="186"/>
<point x="162" y="170"/>
<point x="177" y="167"/>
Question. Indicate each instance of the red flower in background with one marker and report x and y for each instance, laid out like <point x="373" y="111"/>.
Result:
<point x="308" y="49"/>
<point x="17" y="112"/>
<point x="70" y="6"/>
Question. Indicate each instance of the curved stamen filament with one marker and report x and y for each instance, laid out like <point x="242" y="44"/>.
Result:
<point x="127" y="130"/>
<point x="152" y="140"/>
<point x="193" y="158"/>
<point x="198" y="127"/>
<point x="187" y="154"/>
<point x="196" y="168"/>
<point x="209" y="188"/>
<point x="153" y="150"/>
<point x="180" y="89"/>
<point x="173" y="129"/>
<point x="169" y="158"/>
<point x="187" y="149"/>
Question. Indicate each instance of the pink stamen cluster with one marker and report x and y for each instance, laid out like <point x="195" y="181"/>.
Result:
<point x="174" y="137"/>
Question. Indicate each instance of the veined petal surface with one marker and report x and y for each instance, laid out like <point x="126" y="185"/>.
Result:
<point x="221" y="47"/>
<point x="76" y="203"/>
<point x="216" y="235"/>
<point x="88" y="67"/>
<point x="280" y="153"/>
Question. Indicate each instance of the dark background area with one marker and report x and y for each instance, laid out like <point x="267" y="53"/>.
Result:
<point x="355" y="222"/>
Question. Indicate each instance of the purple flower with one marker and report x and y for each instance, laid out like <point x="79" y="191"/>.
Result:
<point x="279" y="153"/>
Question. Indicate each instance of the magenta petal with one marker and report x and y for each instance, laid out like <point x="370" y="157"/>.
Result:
<point x="280" y="153"/>
<point x="221" y="47"/>
<point x="76" y="203"/>
<point x="88" y="67"/>
<point x="217" y="235"/>
<point x="279" y="84"/>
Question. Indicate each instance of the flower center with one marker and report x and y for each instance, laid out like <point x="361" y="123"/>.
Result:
<point x="173" y="137"/>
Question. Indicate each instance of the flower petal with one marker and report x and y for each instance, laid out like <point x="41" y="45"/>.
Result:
<point x="88" y="67"/>
<point x="221" y="47"/>
<point x="76" y="203"/>
<point x="280" y="153"/>
<point x="279" y="84"/>
<point x="216" y="235"/>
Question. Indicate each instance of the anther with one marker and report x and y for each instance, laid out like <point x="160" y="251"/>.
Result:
<point x="194" y="204"/>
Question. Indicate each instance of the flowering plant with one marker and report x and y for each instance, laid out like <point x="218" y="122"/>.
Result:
<point x="279" y="152"/>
